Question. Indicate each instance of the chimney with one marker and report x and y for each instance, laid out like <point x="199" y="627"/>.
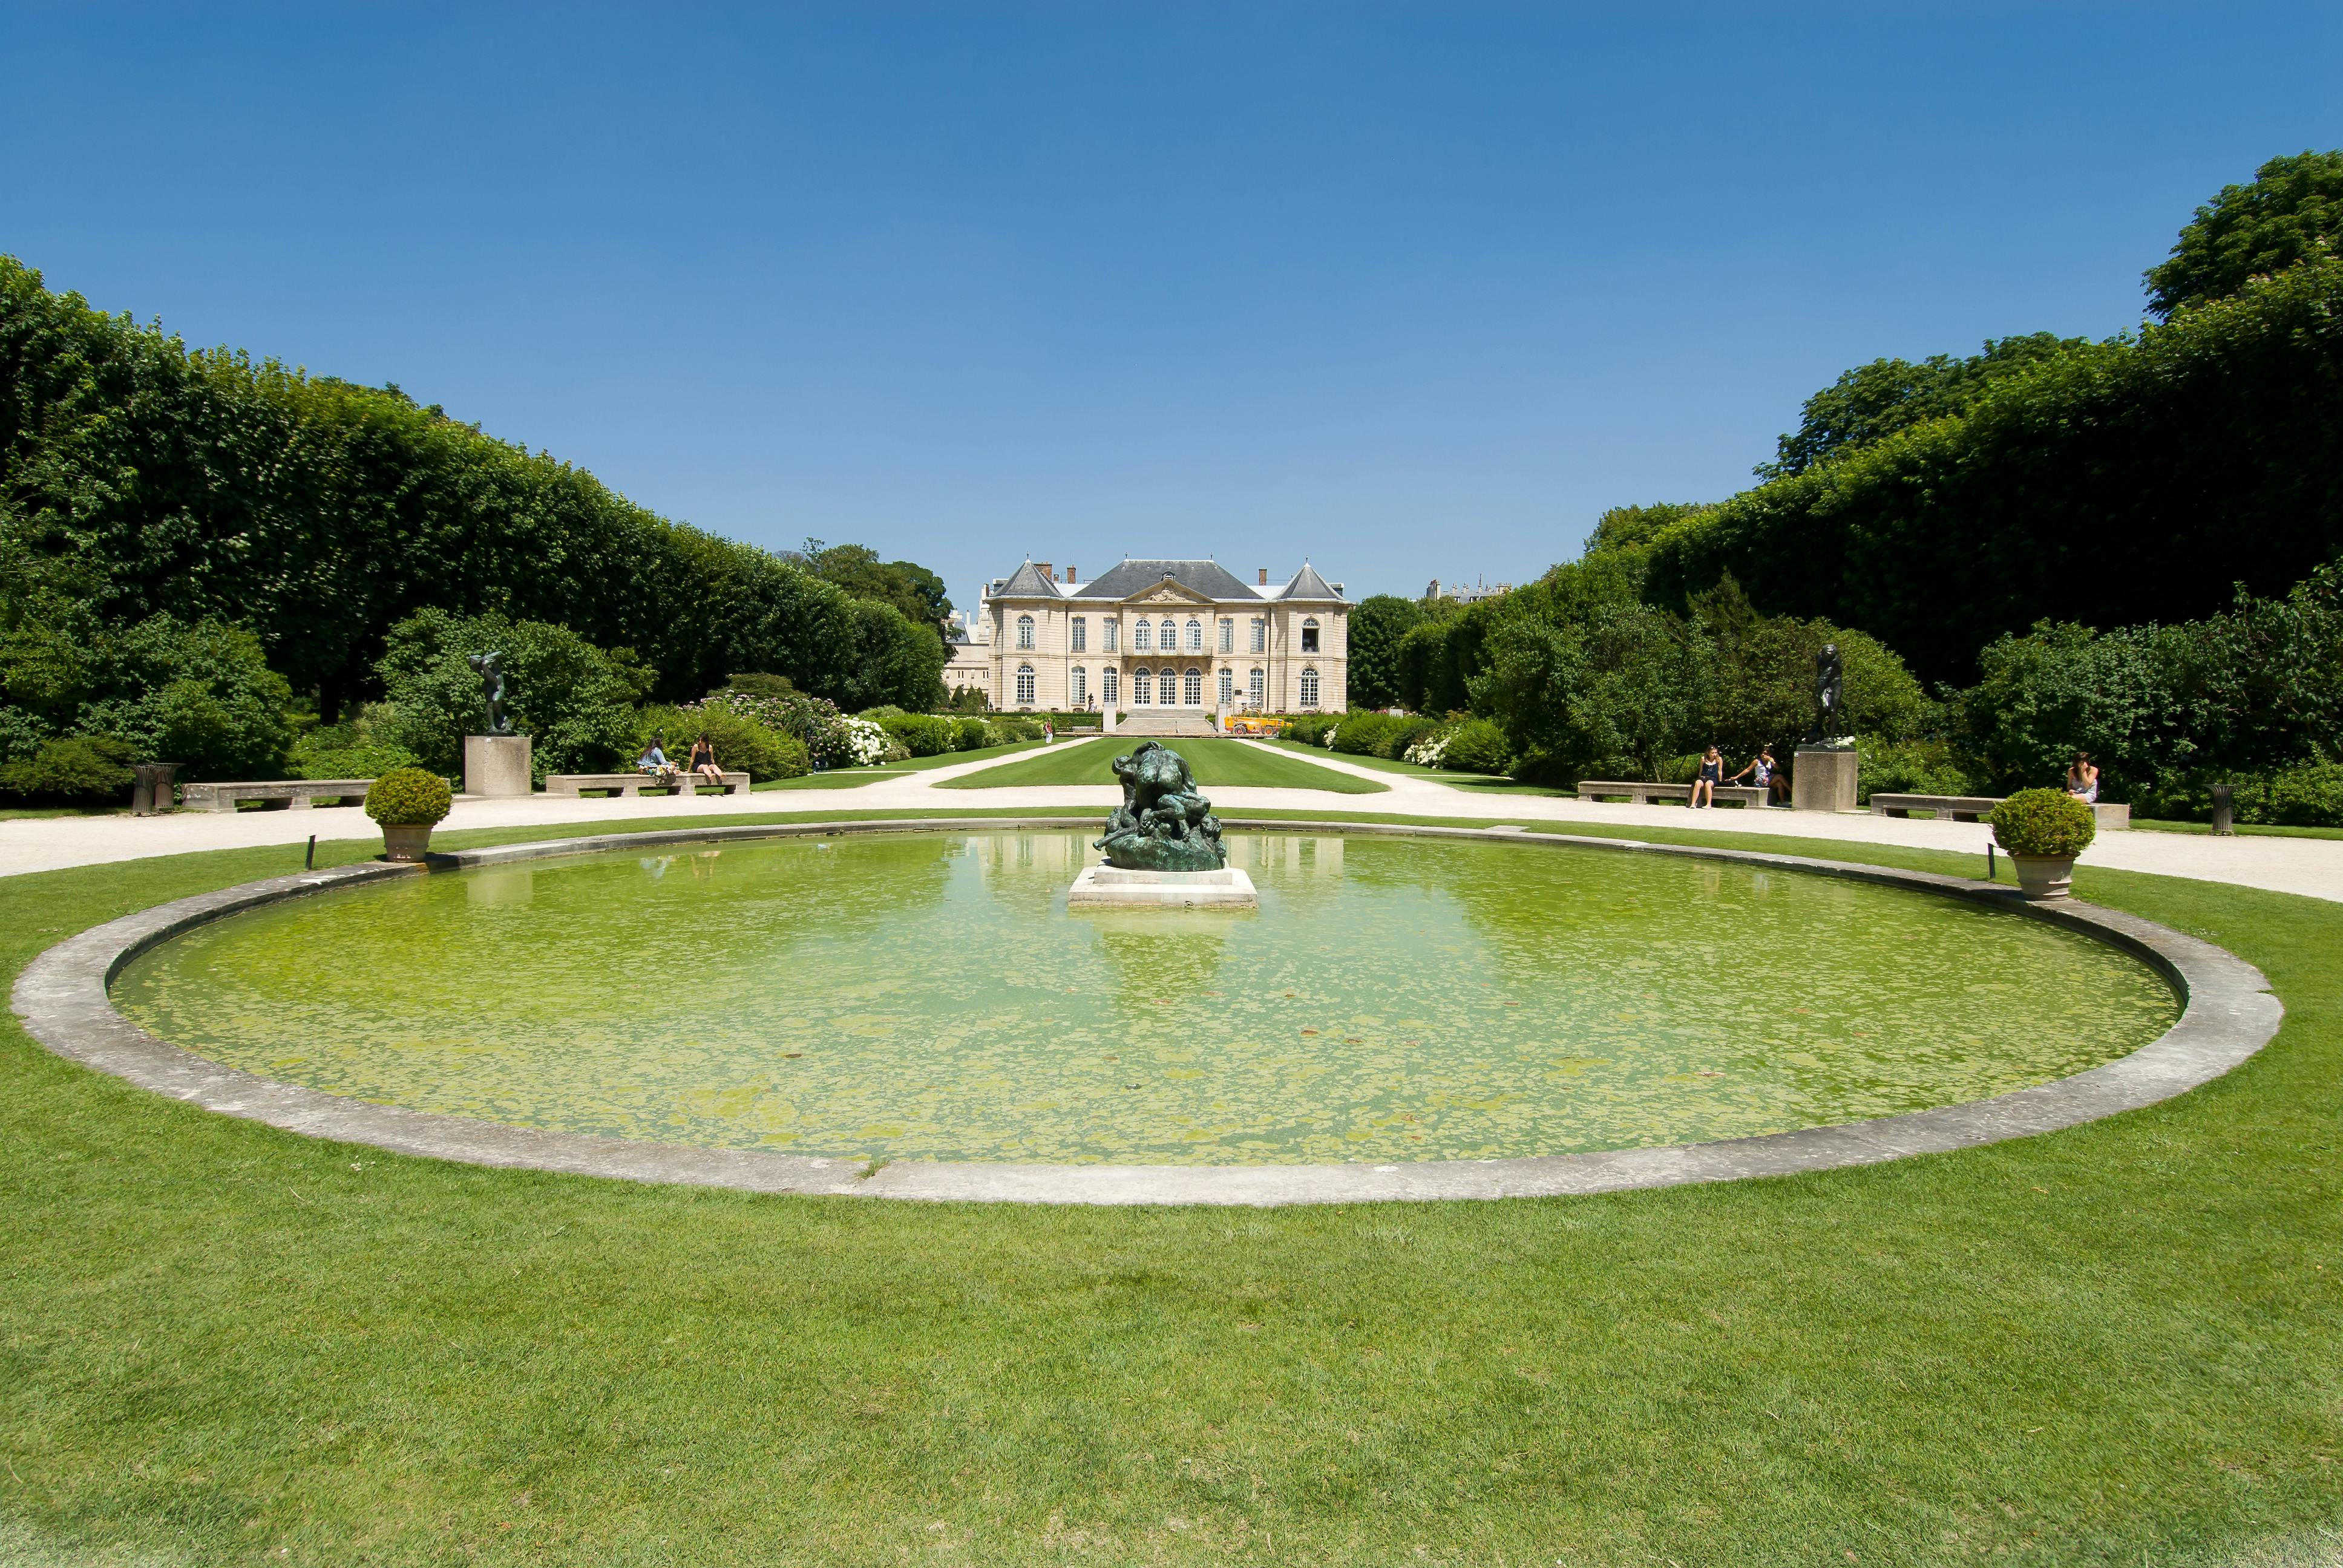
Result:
<point x="1264" y="577"/>
<point x="1069" y="574"/>
<point x="1048" y="572"/>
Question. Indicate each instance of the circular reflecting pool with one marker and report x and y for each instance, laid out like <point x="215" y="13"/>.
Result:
<point x="929" y="997"/>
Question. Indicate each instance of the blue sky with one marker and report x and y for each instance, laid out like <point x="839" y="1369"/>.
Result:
<point x="1413" y="290"/>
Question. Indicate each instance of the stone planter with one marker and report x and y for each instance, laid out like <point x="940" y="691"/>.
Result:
<point x="2044" y="875"/>
<point x="406" y="841"/>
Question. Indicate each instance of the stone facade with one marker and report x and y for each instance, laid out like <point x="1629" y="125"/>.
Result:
<point x="1236" y="646"/>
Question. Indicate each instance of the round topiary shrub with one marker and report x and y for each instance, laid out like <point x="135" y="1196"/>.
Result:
<point x="408" y="798"/>
<point x="2043" y="822"/>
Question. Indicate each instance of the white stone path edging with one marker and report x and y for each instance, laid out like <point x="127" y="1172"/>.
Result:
<point x="2229" y="1014"/>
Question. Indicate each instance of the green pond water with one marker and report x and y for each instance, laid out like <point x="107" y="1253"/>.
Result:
<point x="929" y="997"/>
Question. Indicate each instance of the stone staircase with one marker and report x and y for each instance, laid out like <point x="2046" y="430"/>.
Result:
<point x="1160" y="723"/>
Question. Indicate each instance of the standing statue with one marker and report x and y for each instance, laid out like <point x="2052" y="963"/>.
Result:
<point x="1162" y="824"/>
<point x="491" y="670"/>
<point x="1830" y="695"/>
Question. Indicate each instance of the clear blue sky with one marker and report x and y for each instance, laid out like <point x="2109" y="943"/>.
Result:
<point x="1414" y="290"/>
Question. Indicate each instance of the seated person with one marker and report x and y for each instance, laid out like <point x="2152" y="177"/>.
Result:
<point x="1766" y="774"/>
<point x="703" y="760"/>
<point x="654" y="762"/>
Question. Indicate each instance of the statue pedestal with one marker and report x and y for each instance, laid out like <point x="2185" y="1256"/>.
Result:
<point x="1106" y="719"/>
<point x="1111" y="887"/>
<point x="1821" y="779"/>
<point x="496" y="766"/>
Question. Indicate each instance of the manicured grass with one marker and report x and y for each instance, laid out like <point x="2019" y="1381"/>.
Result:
<point x="1482" y="783"/>
<point x="2116" y="1344"/>
<point x="1230" y="763"/>
<point x="832" y="779"/>
<point x="2250" y="829"/>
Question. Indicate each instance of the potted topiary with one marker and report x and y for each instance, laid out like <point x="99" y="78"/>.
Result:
<point x="408" y="802"/>
<point x="2043" y="830"/>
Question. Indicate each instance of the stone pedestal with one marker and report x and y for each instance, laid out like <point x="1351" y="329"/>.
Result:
<point x="496" y="766"/>
<point x="1821" y="779"/>
<point x="1106" y="719"/>
<point x="1111" y="887"/>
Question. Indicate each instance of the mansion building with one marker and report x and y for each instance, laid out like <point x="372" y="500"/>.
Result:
<point x="1149" y="635"/>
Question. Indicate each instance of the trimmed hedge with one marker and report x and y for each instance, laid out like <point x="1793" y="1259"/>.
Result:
<point x="408" y="798"/>
<point x="2043" y="822"/>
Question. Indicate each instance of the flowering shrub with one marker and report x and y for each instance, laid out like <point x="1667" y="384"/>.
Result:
<point x="1426" y="752"/>
<point x="864" y="742"/>
<point x="815" y="721"/>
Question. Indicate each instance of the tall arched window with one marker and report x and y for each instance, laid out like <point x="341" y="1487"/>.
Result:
<point x="1228" y="688"/>
<point x="1082" y="679"/>
<point x="1025" y="684"/>
<point x="1309" y="634"/>
<point x="1142" y="635"/>
<point x="1168" y="638"/>
<point x="1192" y="686"/>
<point x="1110" y="684"/>
<point x="1142" y="685"/>
<point x="1310" y="687"/>
<point x="1256" y="692"/>
<point x="1195" y="637"/>
<point x="1024" y="631"/>
<point x="1167" y="687"/>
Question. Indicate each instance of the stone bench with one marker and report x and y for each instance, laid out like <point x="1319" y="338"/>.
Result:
<point x="2110" y="815"/>
<point x="626" y="785"/>
<point x="1744" y="795"/>
<point x="274" y="794"/>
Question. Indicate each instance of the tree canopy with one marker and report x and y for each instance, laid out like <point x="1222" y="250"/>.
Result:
<point x="1873" y="401"/>
<point x="2291" y="212"/>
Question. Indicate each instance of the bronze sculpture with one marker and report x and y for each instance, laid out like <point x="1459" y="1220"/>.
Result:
<point x="491" y="670"/>
<point x="1162" y="824"/>
<point x="1830" y="696"/>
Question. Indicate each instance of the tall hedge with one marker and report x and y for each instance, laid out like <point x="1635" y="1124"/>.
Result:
<point x="138" y="478"/>
<point x="2128" y="481"/>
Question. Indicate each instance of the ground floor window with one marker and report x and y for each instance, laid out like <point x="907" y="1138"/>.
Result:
<point x="1142" y="688"/>
<point x="1082" y="685"/>
<point x="1110" y="685"/>
<point x="1025" y="683"/>
<point x="1191" y="688"/>
<point x="1257" y="692"/>
<point x="1309" y="688"/>
<point x="1167" y="687"/>
<point x="1228" y="687"/>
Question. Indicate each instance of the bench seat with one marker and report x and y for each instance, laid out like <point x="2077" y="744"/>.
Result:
<point x="2109" y="814"/>
<point x="274" y="794"/>
<point x="1642" y="794"/>
<point x="625" y="785"/>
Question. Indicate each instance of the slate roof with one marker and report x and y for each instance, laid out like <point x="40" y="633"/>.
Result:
<point x="1025" y="581"/>
<point x="1209" y="578"/>
<point x="1307" y="584"/>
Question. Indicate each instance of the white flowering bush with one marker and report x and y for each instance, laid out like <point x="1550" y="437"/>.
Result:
<point x="1427" y="752"/>
<point x="865" y="742"/>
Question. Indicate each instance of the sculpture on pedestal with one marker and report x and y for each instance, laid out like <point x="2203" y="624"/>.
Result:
<point x="491" y="670"/>
<point x="1162" y="824"/>
<point x="1830" y="698"/>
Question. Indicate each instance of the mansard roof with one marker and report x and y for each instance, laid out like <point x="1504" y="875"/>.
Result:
<point x="1307" y="584"/>
<point x="1209" y="578"/>
<point x="1026" y="580"/>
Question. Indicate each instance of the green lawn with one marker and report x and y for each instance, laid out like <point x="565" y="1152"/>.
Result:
<point x="2250" y="830"/>
<point x="2118" y="1344"/>
<point x="1216" y="763"/>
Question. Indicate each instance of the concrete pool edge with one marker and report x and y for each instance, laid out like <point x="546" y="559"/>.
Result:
<point x="2229" y="1014"/>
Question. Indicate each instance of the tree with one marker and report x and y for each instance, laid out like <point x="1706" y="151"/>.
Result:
<point x="1377" y="625"/>
<point x="1630" y="529"/>
<point x="574" y="700"/>
<point x="2291" y="212"/>
<point x="911" y="587"/>
<point x="1873" y="401"/>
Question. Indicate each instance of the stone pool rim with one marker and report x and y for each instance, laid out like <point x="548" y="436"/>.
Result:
<point x="2228" y="1014"/>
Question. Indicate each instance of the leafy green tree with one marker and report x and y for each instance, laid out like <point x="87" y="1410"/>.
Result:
<point x="1873" y="401"/>
<point x="1377" y="625"/>
<point x="1630" y="530"/>
<point x="911" y="587"/>
<point x="2292" y="211"/>
<point x="894" y="661"/>
<point x="1615" y="692"/>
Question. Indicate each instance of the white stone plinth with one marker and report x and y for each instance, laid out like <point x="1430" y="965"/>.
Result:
<point x="496" y="766"/>
<point x="1111" y="887"/>
<point x="1823" y="779"/>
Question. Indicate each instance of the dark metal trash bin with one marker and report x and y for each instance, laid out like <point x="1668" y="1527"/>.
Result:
<point x="150" y="787"/>
<point x="2223" y="811"/>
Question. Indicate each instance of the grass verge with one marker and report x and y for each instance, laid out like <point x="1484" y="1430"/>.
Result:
<point x="2119" y="1343"/>
<point x="1230" y="764"/>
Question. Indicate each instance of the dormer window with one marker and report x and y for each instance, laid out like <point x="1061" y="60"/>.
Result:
<point x="1309" y="634"/>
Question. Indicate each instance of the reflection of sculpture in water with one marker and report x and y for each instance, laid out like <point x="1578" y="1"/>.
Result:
<point x="491" y="670"/>
<point x="1162" y="824"/>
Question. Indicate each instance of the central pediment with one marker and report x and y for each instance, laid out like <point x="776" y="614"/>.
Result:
<point x="1170" y="591"/>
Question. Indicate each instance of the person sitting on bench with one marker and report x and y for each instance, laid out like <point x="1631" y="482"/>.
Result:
<point x="1712" y="774"/>
<point x="703" y="760"/>
<point x="1765" y="774"/>
<point x="654" y="762"/>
